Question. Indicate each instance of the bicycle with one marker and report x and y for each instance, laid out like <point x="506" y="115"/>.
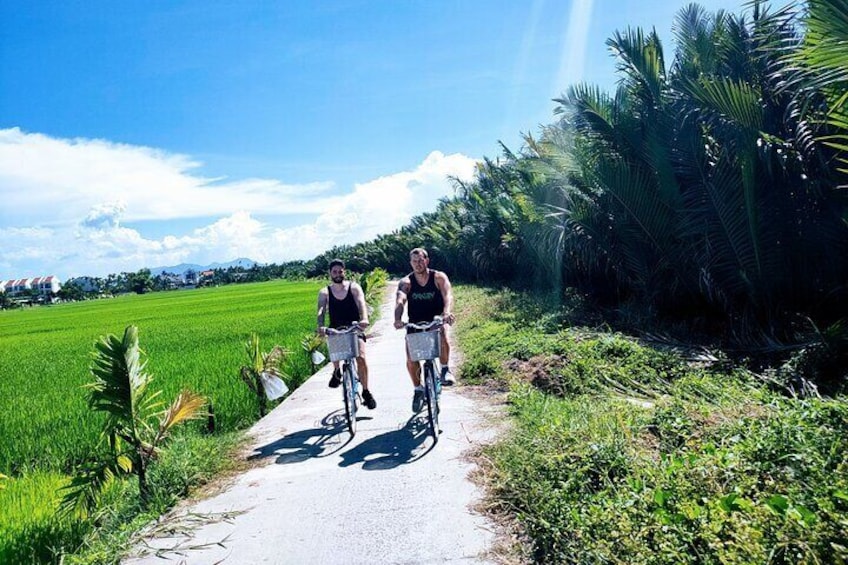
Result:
<point x="343" y="345"/>
<point x="424" y="347"/>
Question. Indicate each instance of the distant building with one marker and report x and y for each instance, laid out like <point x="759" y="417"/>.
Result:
<point x="86" y="284"/>
<point x="190" y="277"/>
<point x="168" y="281"/>
<point x="46" y="285"/>
<point x="43" y="285"/>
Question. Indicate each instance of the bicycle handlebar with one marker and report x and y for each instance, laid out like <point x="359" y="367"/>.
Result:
<point x="437" y="322"/>
<point x="354" y="327"/>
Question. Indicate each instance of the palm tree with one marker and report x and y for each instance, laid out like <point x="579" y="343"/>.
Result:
<point x="624" y="149"/>
<point x="269" y="363"/>
<point x="821" y="71"/>
<point x="137" y="423"/>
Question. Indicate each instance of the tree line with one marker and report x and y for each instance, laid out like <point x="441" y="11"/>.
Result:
<point x="709" y="187"/>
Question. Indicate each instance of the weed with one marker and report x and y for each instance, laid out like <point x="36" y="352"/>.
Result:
<point x="625" y="454"/>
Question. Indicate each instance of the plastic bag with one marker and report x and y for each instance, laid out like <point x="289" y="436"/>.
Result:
<point x="318" y="357"/>
<point x="274" y="386"/>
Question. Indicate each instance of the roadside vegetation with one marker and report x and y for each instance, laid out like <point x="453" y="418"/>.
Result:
<point x="52" y="438"/>
<point x="624" y="452"/>
<point x="58" y="443"/>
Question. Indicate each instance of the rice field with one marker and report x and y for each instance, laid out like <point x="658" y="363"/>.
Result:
<point x="193" y="339"/>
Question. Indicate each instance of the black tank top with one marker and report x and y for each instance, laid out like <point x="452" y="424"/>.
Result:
<point x="425" y="302"/>
<point x="343" y="312"/>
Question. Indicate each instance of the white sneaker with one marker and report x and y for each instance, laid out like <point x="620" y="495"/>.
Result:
<point x="447" y="377"/>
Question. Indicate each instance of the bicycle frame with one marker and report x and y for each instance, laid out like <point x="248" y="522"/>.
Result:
<point x="425" y="350"/>
<point x="343" y="345"/>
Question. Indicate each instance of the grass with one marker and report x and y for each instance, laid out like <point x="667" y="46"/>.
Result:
<point x="192" y="339"/>
<point x="625" y="454"/>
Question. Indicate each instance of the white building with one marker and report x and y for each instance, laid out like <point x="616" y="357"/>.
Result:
<point x="44" y="285"/>
<point x="87" y="284"/>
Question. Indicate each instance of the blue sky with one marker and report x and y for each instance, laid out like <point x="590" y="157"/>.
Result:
<point x="138" y="134"/>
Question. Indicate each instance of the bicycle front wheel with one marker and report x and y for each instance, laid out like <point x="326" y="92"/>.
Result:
<point x="432" y="399"/>
<point x="349" y="391"/>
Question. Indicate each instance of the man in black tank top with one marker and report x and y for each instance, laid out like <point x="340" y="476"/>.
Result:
<point x="426" y="293"/>
<point x="345" y="302"/>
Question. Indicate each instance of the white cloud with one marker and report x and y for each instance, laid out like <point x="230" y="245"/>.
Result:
<point x="83" y="190"/>
<point x="46" y="180"/>
<point x="105" y="215"/>
<point x="378" y="207"/>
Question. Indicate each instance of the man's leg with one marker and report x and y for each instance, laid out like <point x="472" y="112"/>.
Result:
<point x="336" y="379"/>
<point x="444" y="358"/>
<point x="414" y="370"/>
<point x="362" y="370"/>
<point x="362" y="365"/>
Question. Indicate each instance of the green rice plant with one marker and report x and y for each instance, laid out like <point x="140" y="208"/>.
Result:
<point x="137" y="421"/>
<point x="30" y="529"/>
<point x="193" y="340"/>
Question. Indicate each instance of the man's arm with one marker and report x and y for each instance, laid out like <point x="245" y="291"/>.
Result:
<point x="400" y="301"/>
<point x="323" y="300"/>
<point x="444" y="285"/>
<point x="359" y="298"/>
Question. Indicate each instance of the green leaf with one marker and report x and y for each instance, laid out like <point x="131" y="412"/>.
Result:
<point x="661" y="497"/>
<point x="778" y="504"/>
<point x="730" y="503"/>
<point x="125" y="463"/>
<point x="802" y="515"/>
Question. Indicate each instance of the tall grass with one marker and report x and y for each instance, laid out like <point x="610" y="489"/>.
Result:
<point x="623" y="454"/>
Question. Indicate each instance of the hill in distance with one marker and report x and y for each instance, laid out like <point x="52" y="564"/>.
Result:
<point x="183" y="267"/>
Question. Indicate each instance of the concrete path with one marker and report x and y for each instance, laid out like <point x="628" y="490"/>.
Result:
<point x="317" y="496"/>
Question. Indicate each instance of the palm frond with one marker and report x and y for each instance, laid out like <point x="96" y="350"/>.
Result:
<point x="640" y="60"/>
<point x="736" y="101"/>
<point x="186" y="406"/>
<point x="82" y="495"/>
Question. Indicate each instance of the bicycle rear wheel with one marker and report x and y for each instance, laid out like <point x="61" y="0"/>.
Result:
<point x="432" y="399"/>
<point x="349" y="391"/>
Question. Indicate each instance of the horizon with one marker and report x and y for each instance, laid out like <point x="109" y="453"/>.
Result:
<point x="161" y="134"/>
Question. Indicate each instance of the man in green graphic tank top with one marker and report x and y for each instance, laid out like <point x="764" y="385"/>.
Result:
<point x="426" y="293"/>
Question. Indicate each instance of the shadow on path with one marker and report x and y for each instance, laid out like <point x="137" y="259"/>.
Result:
<point x="391" y="449"/>
<point x="308" y="444"/>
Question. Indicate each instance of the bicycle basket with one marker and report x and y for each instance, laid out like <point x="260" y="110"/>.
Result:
<point x="343" y="346"/>
<point x="424" y="345"/>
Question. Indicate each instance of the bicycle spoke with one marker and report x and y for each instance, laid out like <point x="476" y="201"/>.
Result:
<point x="432" y="401"/>
<point x="349" y="391"/>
